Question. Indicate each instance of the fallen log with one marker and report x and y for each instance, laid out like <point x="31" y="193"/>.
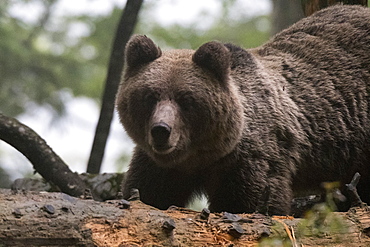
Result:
<point x="57" y="219"/>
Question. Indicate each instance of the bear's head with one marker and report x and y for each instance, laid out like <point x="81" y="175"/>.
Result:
<point x="181" y="107"/>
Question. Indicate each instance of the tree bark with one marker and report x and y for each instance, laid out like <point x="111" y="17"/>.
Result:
<point x="56" y="219"/>
<point x="124" y="30"/>
<point x="284" y="14"/>
<point x="49" y="165"/>
<point x="311" y="6"/>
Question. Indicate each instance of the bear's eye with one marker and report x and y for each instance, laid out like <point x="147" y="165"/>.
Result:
<point x="142" y="103"/>
<point x="187" y="102"/>
<point x="149" y="100"/>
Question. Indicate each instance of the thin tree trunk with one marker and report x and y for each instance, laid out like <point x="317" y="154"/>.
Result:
<point x="284" y="14"/>
<point x="311" y="6"/>
<point x="124" y="31"/>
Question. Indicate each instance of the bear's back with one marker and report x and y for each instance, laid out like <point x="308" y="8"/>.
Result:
<point x="333" y="33"/>
<point x="344" y="26"/>
<point x="324" y="64"/>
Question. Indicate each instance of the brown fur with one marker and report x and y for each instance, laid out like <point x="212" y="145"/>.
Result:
<point x="234" y="123"/>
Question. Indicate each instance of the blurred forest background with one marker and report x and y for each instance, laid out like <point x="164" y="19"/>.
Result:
<point x="54" y="56"/>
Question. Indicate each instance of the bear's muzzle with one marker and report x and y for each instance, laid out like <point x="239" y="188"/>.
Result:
<point x="163" y="136"/>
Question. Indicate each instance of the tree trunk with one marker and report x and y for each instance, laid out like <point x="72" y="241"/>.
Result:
<point x="311" y="6"/>
<point x="284" y="14"/>
<point x="124" y="31"/>
<point x="56" y="219"/>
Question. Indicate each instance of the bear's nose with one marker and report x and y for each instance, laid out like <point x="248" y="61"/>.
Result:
<point x="160" y="133"/>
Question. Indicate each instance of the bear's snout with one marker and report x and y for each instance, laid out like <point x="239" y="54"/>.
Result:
<point x="160" y="133"/>
<point x="163" y="136"/>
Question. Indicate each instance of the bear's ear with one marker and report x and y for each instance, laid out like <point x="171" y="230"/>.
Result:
<point x="140" y="50"/>
<point x="214" y="57"/>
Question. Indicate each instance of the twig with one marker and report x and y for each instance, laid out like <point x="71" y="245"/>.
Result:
<point x="351" y="187"/>
<point x="289" y="232"/>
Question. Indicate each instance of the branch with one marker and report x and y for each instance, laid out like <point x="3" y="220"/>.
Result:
<point x="49" y="165"/>
<point x="124" y="31"/>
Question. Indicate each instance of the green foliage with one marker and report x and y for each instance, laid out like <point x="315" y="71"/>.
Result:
<point x="321" y="220"/>
<point x="43" y="58"/>
<point x="39" y="60"/>
<point x="275" y="242"/>
<point x="245" y="31"/>
<point x="189" y="37"/>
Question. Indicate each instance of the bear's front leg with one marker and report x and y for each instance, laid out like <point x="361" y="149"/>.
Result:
<point x="247" y="189"/>
<point x="158" y="187"/>
<point x="280" y="195"/>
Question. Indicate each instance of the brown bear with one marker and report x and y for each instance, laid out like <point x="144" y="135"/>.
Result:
<point x="235" y="123"/>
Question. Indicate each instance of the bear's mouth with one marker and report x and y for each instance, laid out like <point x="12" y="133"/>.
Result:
<point x="163" y="149"/>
